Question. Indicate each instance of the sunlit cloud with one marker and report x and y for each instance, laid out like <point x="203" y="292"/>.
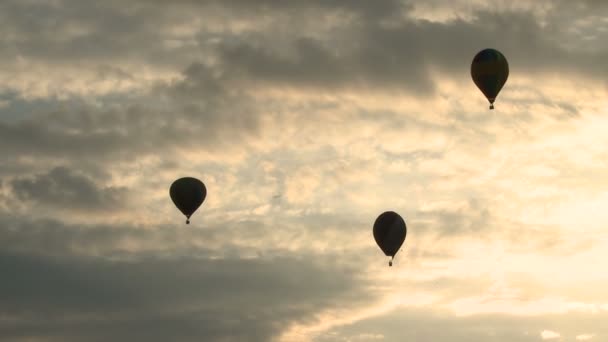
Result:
<point x="549" y="335"/>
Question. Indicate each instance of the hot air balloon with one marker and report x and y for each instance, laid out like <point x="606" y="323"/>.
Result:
<point x="490" y="71"/>
<point x="389" y="233"/>
<point x="188" y="194"/>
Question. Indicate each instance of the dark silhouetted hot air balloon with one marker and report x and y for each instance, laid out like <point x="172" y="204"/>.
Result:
<point x="490" y="71"/>
<point x="389" y="233"/>
<point x="188" y="194"/>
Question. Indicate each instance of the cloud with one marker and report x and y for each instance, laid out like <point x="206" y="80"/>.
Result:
<point x="549" y="335"/>
<point x="333" y="45"/>
<point x="214" y="103"/>
<point x="305" y="119"/>
<point x="75" y="299"/>
<point x="203" y="114"/>
<point x="93" y="282"/>
<point x="63" y="188"/>
<point x="422" y="322"/>
<point x="403" y="54"/>
<point x="368" y="337"/>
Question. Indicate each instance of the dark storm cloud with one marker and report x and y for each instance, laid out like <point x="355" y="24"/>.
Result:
<point x="186" y="299"/>
<point x="64" y="188"/>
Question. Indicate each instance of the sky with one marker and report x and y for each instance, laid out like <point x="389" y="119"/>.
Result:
<point x="305" y="119"/>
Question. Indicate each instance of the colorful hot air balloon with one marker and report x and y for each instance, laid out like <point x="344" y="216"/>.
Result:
<point x="490" y="71"/>
<point x="389" y="233"/>
<point x="188" y="194"/>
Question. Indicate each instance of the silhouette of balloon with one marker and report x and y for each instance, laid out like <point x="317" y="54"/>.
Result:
<point x="188" y="194"/>
<point x="389" y="233"/>
<point x="490" y="71"/>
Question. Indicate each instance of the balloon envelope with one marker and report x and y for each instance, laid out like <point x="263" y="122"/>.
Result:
<point x="490" y="71"/>
<point x="390" y="232"/>
<point x="188" y="194"/>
